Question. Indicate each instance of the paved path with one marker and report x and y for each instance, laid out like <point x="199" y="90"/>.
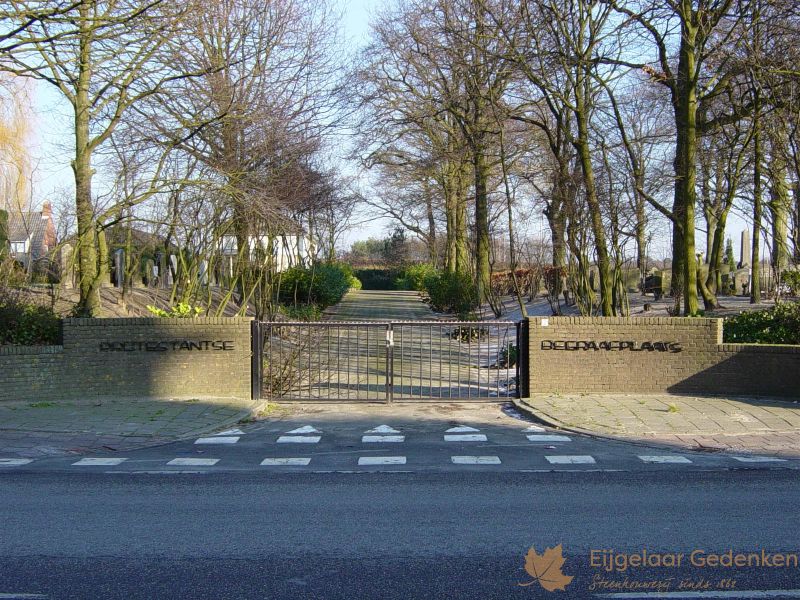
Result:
<point x="39" y="429"/>
<point x="711" y="423"/>
<point x="376" y="305"/>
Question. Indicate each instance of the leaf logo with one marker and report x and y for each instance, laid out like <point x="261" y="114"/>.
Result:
<point x="546" y="569"/>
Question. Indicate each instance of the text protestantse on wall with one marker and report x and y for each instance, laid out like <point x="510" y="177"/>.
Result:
<point x="165" y="346"/>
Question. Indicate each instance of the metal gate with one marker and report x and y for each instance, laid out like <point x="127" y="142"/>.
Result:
<point x="386" y="361"/>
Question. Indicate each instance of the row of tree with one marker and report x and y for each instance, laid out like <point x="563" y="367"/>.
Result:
<point x="613" y="117"/>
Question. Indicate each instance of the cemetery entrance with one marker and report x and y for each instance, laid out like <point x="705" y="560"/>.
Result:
<point x="386" y="361"/>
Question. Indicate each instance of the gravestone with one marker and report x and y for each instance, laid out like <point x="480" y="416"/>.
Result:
<point x="67" y="266"/>
<point x="118" y="275"/>
<point x="745" y="252"/>
<point x="173" y="269"/>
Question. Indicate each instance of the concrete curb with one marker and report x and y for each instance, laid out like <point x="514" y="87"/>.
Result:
<point x="549" y="421"/>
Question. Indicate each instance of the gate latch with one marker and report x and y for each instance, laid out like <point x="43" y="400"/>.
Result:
<point x="389" y="338"/>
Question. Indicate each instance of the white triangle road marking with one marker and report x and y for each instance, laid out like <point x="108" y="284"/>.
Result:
<point x="218" y="440"/>
<point x="475" y="460"/>
<point x="381" y="460"/>
<point x="534" y="429"/>
<point x="193" y="462"/>
<point x="665" y="459"/>
<point x="548" y="438"/>
<point x="382" y="429"/>
<point x="570" y="460"/>
<point x="236" y="431"/>
<point x="15" y="462"/>
<point x="467" y="437"/>
<point x="96" y="461"/>
<point x="757" y="459"/>
<point x="305" y="429"/>
<point x="461" y="429"/>
<point x="379" y="439"/>
<point x="299" y="439"/>
<point x="285" y="462"/>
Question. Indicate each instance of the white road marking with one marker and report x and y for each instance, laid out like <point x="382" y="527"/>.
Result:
<point x="757" y="459"/>
<point x="570" y="460"/>
<point x="231" y="432"/>
<point x="469" y="437"/>
<point x="534" y="429"/>
<point x="99" y="462"/>
<point x="461" y="429"/>
<point x="299" y="439"/>
<point x="15" y="462"/>
<point x="572" y="471"/>
<point x="382" y="438"/>
<point x="304" y="429"/>
<point x="475" y="460"/>
<point x="382" y="429"/>
<point x="288" y="462"/>
<point x="193" y="462"/>
<point x="548" y="438"/>
<point x="711" y="594"/>
<point x="218" y="440"/>
<point x="22" y="596"/>
<point x="381" y="460"/>
<point x="182" y="472"/>
<point x="666" y="458"/>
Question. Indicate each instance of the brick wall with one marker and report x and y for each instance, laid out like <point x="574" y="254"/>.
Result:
<point x="165" y="358"/>
<point x="655" y="355"/>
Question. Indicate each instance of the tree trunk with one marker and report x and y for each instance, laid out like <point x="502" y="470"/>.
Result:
<point x="779" y="206"/>
<point x="584" y="153"/>
<point x="685" y="102"/>
<point x="715" y="257"/>
<point x="796" y="227"/>
<point x="755" y="278"/>
<point x="641" y="232"/>
<point x="461" y="221"/>
<point x="482" y="243"/>
<point x="89" y="285"/>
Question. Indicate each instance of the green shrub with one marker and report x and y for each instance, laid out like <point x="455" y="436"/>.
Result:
<point x="323" y="284"/>
<point x="508" y="356"/>
<point x="355" y="283"/>
<point x="414" y="277"/>
<point x="378" y="279"/>
<point x="25" y="323"/>
<point x="182" y="310"/>
<point x="792" y="281"/>
<point x="452" y="292"/>
<point x="777" y="325"/>
<point x="301" y="312"/>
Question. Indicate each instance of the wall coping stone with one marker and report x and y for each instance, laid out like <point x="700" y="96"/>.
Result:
<point x="15" y="350"/>
<point x="696" y="321"/>
<point x="124" y="321"/>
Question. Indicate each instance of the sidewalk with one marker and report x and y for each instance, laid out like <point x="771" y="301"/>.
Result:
<point x="732" y="424"/>
<point x="36" y="429"/>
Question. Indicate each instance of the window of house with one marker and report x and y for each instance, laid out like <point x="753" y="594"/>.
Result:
<point x="19" y="247"/>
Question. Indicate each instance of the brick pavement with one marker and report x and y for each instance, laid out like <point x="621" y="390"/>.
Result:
<point x="735" y="424"/>
<point x="35" y="429"/>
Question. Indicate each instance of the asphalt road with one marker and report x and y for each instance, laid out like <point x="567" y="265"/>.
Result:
<point x="375" y="535"/>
